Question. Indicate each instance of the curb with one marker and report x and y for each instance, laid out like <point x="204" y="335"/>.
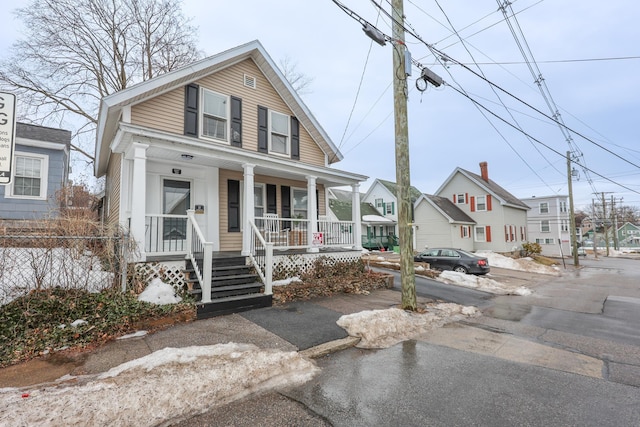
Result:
<point x="329" y="347"/>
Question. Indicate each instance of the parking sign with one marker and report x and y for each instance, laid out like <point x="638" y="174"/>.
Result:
<point x="7" y="135"/>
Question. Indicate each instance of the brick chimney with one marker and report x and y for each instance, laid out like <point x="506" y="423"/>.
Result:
<point x="484" y="172"/>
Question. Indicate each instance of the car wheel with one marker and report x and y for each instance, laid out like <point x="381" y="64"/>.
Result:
<point x="460" y="269"/>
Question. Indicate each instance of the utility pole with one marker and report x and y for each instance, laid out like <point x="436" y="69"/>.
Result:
<point x="595" y="225"/>
<point x="616" y="244"/>
<point x="572" y="217"/>
<point x="403" y="176"/>
<point x="604" y="223"/>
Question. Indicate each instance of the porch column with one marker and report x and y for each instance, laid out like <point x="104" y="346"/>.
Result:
<point x="356" y="216"/>
<point x="138" y="196"/>
<point x="312" y="212"/>
<point x="249" y="210"/>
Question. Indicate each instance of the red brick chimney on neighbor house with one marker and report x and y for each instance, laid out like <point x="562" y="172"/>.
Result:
<point x="484" y="172"/>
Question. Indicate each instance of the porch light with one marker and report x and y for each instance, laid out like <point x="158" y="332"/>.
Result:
<point x="186" y="156"/>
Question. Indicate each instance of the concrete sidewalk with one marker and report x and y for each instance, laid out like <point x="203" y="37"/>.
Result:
<point x="305" y="326"/>
<point x="308" y="326"/>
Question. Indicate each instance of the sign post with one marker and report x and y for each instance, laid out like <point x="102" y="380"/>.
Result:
<point x="7" y="135"/>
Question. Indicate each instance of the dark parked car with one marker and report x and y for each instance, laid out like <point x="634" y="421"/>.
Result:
<point x="454" y="259"/>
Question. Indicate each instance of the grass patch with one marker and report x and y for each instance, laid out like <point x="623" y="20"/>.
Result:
<point x="41" y="322"/>
<point x="544" y="260"/>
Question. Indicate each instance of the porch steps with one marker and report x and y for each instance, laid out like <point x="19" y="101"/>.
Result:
<point x="234" y="287"/>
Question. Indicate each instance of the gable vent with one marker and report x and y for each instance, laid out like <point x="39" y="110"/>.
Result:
<point x="250" y="81"/>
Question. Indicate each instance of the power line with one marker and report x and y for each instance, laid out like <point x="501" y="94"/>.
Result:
<point x="540" y="142"/>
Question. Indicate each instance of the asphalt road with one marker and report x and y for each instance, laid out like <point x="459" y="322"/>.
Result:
<point x="419" y="384"/>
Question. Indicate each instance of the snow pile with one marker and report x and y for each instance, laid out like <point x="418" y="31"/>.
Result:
<point x="482" y="284"/>
<point x="167" y="384"/>
<point x="285" y="282"/>
<point x="158" y="292"/>
<point x="384" y="328"/>
<point x="522" y="264"/>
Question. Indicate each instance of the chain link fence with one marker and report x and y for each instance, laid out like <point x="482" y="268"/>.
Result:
<point x="31" y="262"/>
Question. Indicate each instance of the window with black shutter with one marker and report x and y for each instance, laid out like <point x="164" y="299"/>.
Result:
<point x="191" y="110"/>
<point x="236" y="121"/>
<point x="263" y="129"/>
<point x="233" y="205"/>
<point x="295" y="139"/>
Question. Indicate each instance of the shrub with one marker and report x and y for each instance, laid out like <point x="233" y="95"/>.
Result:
<point x="531" y="249"/>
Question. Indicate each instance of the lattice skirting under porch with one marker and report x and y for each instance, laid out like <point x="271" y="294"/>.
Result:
<point x="170" y="272"/>
<point x="294" y="264"/>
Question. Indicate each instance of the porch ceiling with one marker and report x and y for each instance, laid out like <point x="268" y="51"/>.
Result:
<point x="170" y="148"/>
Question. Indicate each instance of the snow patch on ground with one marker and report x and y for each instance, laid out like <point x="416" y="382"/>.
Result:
<point x="522" y="264"/>
<point x="482" y="284"/>
<point x="384" y="328"/>
<point x="158" y="292"/>
<point x="285" y="282"/>
<point x="168" y="384"/>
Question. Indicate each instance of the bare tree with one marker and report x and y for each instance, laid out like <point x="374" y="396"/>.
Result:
<point x="299" y="81"/>
<point x="76" y="51"/>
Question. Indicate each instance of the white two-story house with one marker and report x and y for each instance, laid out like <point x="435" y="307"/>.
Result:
<point x="500" y="217"/>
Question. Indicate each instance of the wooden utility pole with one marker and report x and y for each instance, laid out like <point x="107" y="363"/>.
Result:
<point x="604" y="223"/>
<point x="614" y="221"/>
<point x="407" y="271"/>
<point x="572" y="218"/>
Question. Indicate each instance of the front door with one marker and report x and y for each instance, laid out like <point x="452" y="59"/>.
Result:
<point x="176" y="199"/>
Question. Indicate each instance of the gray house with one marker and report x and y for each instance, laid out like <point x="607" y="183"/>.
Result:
<point x="40" y="169"/>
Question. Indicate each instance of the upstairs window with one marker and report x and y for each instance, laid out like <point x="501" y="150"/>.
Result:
<point x="379" y="203"/>
<point x="279" y="133"/>
<point x="460" y="199"/>
<point x="563" y="207"/>
<point x="215" y="115"/>
<point x="544" y="226"/>
<point x="481" y="203"/>
<point x="544" y="208"/>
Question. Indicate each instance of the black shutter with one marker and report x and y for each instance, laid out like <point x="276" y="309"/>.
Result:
<point x="233" y="205"/>
<point x="295" y="139"/>
<point x="236" y="122"/>
<point x="191" y="109"/>
<point x="285" y="201"/>
<point x="317" y="204"/>
<point x="272" y="206"/>
<point x="263" y="129"/>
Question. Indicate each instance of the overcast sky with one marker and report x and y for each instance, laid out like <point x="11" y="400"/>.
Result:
<point x="571" y="41"/>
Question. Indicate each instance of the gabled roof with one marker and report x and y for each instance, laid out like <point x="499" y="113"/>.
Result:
<point x="111" y="106"/>
<point x="342" y="195"/>
<point x="490" y="187"/>
<point x="342" y="209"/>
<point x="414" y="193"/>
<point x="446" y="207"/>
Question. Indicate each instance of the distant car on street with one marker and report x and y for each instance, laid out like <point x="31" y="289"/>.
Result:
<point x="454" y="259"/>
<point x="582" y="251"/>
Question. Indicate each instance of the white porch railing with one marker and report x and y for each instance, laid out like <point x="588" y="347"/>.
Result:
<point x="200" y="253"/>
<point x="292" y="233"/>
<point x="261" y="257"/>
<point x="165" y="233"/>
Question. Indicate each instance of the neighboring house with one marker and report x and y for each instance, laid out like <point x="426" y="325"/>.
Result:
<point x="549" y="224"/>
<point x="222" y="157"/>
<point x="629" y="235"/>
<point x="382" y="195"/>
<point x="378" y="232"/>
<point x="440" y="223"/>
<point x="501" y="218"/>
<point x="40" y="169"/>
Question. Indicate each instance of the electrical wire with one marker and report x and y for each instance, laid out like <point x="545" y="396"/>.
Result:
<point x="500" y="100"/>
<point x="438" y="53"/>
<point x="574" y="161"/>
